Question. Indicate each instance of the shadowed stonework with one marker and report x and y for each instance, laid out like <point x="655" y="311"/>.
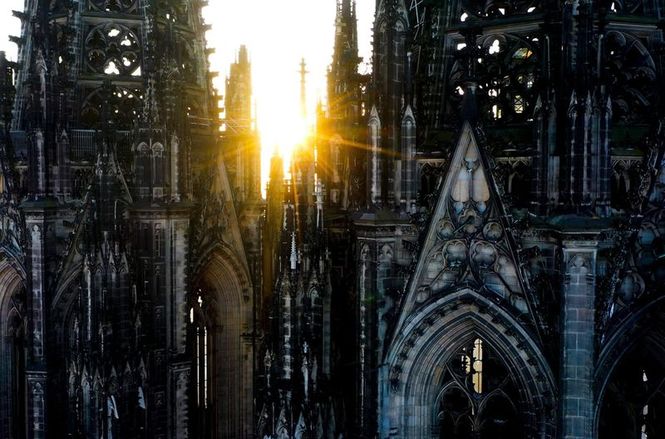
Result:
<point x="467" y="245"/>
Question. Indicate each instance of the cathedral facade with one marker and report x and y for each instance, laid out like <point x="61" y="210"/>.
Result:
<point x="489" y="198"/>
<point x="127" y="292"/>
<point x="467" y="246"/>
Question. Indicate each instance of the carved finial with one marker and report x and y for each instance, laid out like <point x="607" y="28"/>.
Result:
<point x="572" y="107"/>
<point x="305" y="369"/>
<point x="294" y="253"/>
<point x="318" y="193"/>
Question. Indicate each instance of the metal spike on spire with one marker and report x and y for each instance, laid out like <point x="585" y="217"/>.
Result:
<point x="303" y="88"/>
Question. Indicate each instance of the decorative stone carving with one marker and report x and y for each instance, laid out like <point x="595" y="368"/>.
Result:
<point x="12" y="231"/>
<point x="472" y="244"/>
<point x="113" y="49"/>
<point x="211" y="217"/>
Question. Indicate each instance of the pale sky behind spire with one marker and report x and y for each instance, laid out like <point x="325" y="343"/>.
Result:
<point x="277" y="34"/>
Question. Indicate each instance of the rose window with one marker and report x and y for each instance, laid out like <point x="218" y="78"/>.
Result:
<point x="113" y="49"/>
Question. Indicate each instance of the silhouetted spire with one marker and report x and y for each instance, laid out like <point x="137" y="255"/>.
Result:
<point x="303" y="88"/>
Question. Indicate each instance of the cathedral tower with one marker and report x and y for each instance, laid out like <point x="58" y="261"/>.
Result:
<point x="129" y="241"/>
<point x="340" y="131"/>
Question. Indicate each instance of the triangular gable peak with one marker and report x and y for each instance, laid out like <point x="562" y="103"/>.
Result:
<point x="467" y="243"/>
<point x="107" y="164"/>
<point x="215" y="218"/>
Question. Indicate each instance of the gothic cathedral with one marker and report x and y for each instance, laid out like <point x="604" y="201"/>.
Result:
<point x="467" y="246"/>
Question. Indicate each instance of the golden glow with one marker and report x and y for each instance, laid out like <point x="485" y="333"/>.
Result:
<point x="278" y="35"/>
<point x="473" y="365"/>
<point x="285" y="132"/>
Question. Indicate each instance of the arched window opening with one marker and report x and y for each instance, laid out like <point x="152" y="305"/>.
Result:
<point x="633" y="406"/>
<point x="202" y="359"/>
<point x="645" y="412"/>
<point x="158" y="165"/>
<point x="158" y="240"/>
<point x="518" y="104"/>
<point x="478" y="396"/>
<point x="632" y="78"/>
<point x="16" y="348"/>
<point x="121" y="107"/>
<point x="142" y="170"/>
<point x="507" y="71"/>
<point x="496" y="112"/>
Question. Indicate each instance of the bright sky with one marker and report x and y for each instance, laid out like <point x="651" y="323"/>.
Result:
<point x="9" y="25"/>
<point x="277" y="34"/>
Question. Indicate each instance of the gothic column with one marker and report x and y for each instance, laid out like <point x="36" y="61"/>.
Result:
<point x="375" y="159"/>
<point x="62" y="183"/>
<point x="177" y="314"/>
<point x="177" y="245"/>
<point x="366" y="279"/>
<point x="247" y="415"/>
<point x="37" y="224"/>
<point x="407" y="164"/>
<point x="179" y="379"/>
<point x="376" y="282"/>
<point x="577" y="338"/>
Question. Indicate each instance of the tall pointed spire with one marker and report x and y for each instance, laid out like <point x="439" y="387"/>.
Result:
<point x="346" y="30"/>
<point x="345" y="61"/>
<point x="303" y="88"/>
<point x="241" y="142"/>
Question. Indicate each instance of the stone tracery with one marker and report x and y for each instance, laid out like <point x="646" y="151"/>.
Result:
<point x="113" y="49"/>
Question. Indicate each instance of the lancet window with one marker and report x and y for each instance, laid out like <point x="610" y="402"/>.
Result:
<point x="478" y="396"/>
<point x="633" y="405"/>
<point x="202" y="353"/>
<point x="17" y="356"/>
<point x="506" y="69"/>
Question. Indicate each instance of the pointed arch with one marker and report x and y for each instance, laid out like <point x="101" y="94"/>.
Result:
<point x="430" y="338"/>
<point x="227" y="298"/>
<point x="631" y="352"/>
<point x="12" y="351"/>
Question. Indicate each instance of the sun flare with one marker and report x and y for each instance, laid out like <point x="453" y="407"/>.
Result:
<point x="275" y="51"/>
<point x="283" y="134"/>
